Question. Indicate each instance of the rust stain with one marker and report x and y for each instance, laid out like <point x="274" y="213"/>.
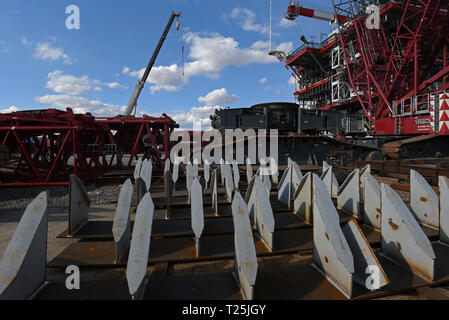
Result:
<point x="399" y="246"/>
<point x="327" y="236"/>
<point x="425" y="215"/>
<point x="378" y="210"/>
<point x="393" y="225"/>
<point x="377" y="217"/>
<point x="326" y="259"/>
<point x="424" y="199"/>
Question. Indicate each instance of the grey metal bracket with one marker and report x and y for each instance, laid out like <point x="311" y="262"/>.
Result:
<point x="443" y="183"/>
<point x="79" y="205"/>
<point x="236" y="172"/>
<point x="332" y="255"/>
<point x="372" y="204"/>
<point x="424" y="201"/>
<point x="23" y="265"/>
<point x="260" y="211"/>
<point x="363" y="172"/>
<point x="364" y="258"/>
<point x="285" y="187"/>
<point x="121" y="226"/>
<point x="402" y="238"/>
<point x="330" y="181"/>
<point x="245" y="252"/>
<point x="214" y="191"/>
<point x="197" y="213"/>
<point x="348" y="197"/>
<point x="303" y="199"/>
<point x="140" y="247"/>
<point x="146" y="173"/>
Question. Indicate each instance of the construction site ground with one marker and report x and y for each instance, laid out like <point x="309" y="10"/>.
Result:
<point x="13" y="201"/>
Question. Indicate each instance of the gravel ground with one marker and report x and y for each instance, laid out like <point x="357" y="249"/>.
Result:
<point x="19" y="198"/>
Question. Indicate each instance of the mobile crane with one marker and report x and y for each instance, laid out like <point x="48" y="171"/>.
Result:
<point x="132" y="104"/>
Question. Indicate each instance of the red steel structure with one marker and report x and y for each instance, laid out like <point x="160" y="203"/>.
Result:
<point x="397" y="73"/>
<point x="45" y="146"/>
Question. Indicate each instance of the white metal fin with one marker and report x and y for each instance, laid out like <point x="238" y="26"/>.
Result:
<point x="443" y="183"/>
<point x="197" y="212"/>
<point x="167" y="165"/>
<point x="332" y="254"/>
<point x="140" y="248"/>
<point x="206" y="174"/>
<point x="325" y="166"/>
<point x="296" y="177"/>
<point x="274" y="171"/>
<point x="330" y="181"/>
<point x="303" y="199"/>
<point x="222" y="172"/>
<point x="137" y="169"/>
<point x="189" y="178"/>
<point x="403" y="240"/>
<point x="249" y="170"/>
<point x="263" y="174"/>
<point x="195" y="168"/>
<point x="245" y="251"/>
<point x="229" y="184"/>
<point x="121" y="226"/>
<point x="285" y="187"/>
<point x="146" y="173"/>
<point x="175" y="172"/>
<point x="236" y="172"/>
<point x="264" y="218"/>
<point x="364" y="258"/>
<point x="372" y="211"/>
<point x="348" y="197"/>
<point x="22" y="267"/>
<point x="424" y="201"/>
<point x="363" y="172"/>
<point x="79" y="205"/>
<point x="168" y="188"/>
<point x="213" y="191"/>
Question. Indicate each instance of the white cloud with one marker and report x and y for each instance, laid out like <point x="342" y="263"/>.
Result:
<point x="292" y="81"/>
<point x="186" y="119"/>
<point x="209" y="55"/>
<point x="62" y="83"/>
<point x="247" y="20"/>
<point x="218" y="97"/>
<point x="263" y="80"/>
<point x="81" y="104"/>
<point x="126" y="70"/>
<point x="68" y="84"/>
<point x="45" y="51"/>
<point x="10" y="109"/>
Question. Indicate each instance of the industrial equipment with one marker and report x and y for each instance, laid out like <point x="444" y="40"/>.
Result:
<point x="132" y="104"/>
<point x="396" y="76"/>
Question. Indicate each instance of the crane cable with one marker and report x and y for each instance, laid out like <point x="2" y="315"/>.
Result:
<point x="182" y="43"/>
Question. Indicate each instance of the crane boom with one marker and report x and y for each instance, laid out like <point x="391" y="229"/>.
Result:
<point x="141" y="83"/>
<point x="294" y="10"/>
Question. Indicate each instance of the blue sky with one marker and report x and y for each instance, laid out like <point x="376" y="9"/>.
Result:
<point x="95" y="69"/>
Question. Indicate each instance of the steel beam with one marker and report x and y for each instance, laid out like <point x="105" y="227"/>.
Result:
<point x="23" y="265"/>
<point x="140" y="247"/>
<point x="303" y="199"/>
<point x="121" y="229"/>
<point x="332" y="255"/>
<point x="79" y="205"/>
<point x="402" y="238"/>
<point x="197" y="213"/>
<point x="245" y="251"/>
<point x="348" y="197"/>
<point x="372" y="203"/>
<point x="424" y="201"/>
<point x="443" y="183"/>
